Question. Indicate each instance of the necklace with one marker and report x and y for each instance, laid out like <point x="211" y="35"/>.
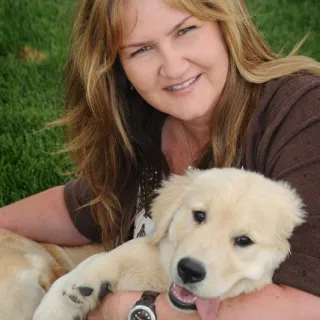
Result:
<point x="186" y="142"/>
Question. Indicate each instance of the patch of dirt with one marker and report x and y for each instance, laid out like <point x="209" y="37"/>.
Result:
<point x="28" y="54"/>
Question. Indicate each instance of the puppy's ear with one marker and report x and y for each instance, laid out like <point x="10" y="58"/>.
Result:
<point x="167" y="202"/>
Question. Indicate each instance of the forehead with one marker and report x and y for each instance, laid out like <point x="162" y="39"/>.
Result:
<point x="225" y="192"/>
<point x="230" y="206"/>
<point x="146" y="18"/>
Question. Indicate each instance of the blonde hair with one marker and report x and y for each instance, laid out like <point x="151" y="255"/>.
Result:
<point x="97" y="125"/>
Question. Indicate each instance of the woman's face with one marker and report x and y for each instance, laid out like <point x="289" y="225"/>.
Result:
<point x="176" y="62"/>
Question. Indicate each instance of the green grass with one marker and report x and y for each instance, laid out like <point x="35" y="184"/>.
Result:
<point x="284" y="22"/>
<point x="31" y="95"/>
<point x="31" y="92"/>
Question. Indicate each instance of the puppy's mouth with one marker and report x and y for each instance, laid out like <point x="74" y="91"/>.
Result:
<point x="184" y="299"/>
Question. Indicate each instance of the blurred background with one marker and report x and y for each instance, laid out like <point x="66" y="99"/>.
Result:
<point x="33" y="46"/>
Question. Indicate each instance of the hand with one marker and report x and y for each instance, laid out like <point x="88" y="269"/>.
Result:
<point x="116" y="306"/>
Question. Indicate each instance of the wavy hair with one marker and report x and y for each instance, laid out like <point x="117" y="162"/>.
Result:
<point x="109" y="146"/>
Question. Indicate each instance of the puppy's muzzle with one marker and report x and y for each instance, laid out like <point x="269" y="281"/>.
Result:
<point x="191" y="270"/>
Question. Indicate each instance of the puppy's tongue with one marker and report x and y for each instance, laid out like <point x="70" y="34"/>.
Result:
<point x="207" y="308"/>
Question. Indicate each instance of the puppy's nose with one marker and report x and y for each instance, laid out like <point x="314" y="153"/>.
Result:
<point x="191" y="270"/>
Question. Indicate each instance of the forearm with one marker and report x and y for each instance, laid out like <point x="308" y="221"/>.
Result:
<point x="273" y="302"/>
<point x="42" y="217"/>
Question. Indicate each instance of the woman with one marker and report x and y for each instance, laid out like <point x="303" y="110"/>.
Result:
<point x="156" y="86"/>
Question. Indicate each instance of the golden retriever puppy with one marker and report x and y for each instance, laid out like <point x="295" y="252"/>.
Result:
<point x="28" y="269"/>
<point x="218" y="233"/>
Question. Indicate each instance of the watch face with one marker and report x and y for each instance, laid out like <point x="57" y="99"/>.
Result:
<point x="142" y="313"/>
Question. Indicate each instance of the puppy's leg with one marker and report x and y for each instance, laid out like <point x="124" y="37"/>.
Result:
<point x="19" y="297"/>
<point x="78" y="292"/>
<point x="24" y="280"/>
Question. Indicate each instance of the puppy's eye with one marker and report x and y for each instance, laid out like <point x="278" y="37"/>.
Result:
<point x="199" y="216"/>
<point x="243" y="241"/>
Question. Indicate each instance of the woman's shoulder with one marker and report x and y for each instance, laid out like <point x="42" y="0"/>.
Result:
<point x="287" y="107"/>
<point x="281" y="94"/>
<point x="295" y="79"/>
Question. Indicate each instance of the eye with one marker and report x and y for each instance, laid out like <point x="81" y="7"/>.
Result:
<point x="243" y="241"/>
<point x="185" y="30"/>
<point x="141" y="50"/>
<point x="199" y="216"/>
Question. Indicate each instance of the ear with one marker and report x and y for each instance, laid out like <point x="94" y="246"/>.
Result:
<point x="293" y="209"/>
<point x="167" y="202"/>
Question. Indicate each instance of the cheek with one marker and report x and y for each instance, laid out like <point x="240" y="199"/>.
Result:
<point x="215" y="55"/>
<point x="218" y="60"/>
<point x="141" y="74"/>
<point x="250" y="262"/>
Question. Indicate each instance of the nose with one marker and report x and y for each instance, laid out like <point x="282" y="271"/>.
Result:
<point x="173" y="64"/>
<point x="191" y="270"/>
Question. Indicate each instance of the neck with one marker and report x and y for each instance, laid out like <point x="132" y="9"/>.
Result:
<point x="179" y="151"/>
<point x="198" y="132"/>
<point x="183" y="143"/>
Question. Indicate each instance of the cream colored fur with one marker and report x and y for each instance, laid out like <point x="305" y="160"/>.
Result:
<point x="236" y="203"/>
<point x="28" y="269"/>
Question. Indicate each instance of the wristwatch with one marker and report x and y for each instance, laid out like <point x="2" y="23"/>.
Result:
<point x="144" y="309"/>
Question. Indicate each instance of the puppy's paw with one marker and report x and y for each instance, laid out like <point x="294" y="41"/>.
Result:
<point x="71" y="298"/>
<point x="85" y="296"/>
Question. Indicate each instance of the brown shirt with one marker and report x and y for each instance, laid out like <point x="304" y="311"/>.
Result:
<point x="283" y="143"/>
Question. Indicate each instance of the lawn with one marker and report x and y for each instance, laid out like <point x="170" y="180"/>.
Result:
<point x="33" y="44"/>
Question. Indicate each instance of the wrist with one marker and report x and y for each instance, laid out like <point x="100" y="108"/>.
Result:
<point x="144" y="308"/>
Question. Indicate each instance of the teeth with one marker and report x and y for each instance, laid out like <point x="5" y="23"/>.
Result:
<point x="177" y="294"/>
<point x="183" y="85"/>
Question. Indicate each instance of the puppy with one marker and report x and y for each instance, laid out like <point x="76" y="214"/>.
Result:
<point x="28" y="269"/>
<point x="218" y="233"/>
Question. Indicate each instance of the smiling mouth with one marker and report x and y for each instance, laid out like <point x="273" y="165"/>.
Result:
<point x="182" y="298"/>
<point x="183" y="85"/>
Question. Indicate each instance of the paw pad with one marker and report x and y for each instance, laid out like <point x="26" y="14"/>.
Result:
<point x="85" y="291"/>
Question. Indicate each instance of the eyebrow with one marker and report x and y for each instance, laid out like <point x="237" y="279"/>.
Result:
<point x="142" y="44"/>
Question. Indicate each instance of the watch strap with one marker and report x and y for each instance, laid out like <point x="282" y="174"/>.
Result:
<point x="149" y="296"/>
